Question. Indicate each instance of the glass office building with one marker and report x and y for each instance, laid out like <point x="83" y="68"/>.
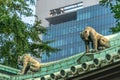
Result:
<point x="65" y="29"/>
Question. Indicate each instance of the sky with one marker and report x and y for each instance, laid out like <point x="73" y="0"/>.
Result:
<point x="29" y="19"/>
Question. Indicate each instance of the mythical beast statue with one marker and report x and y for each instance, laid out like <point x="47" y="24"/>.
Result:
<point x="28" y="63"/>
<point x="98" y="41"/>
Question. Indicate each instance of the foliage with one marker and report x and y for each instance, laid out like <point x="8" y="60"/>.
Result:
<point x="18" y="37"/>
<point x="115" y="9"/>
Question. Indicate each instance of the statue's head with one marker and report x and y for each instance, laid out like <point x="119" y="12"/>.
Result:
<point x="84" y="35"/>
<point x="20" y="61"/>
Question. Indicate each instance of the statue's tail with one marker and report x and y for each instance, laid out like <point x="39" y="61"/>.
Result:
<point x="43" y="64"/>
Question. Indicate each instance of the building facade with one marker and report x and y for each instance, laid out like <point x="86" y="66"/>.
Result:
<point x="64" y="29"/>
<point x="43" y="7"/>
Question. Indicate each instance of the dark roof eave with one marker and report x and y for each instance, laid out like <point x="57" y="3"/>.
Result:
<point x="61" y="18"/>
<point x="100" y="73"/>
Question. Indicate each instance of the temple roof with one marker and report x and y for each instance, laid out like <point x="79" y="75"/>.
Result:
<point x="81" y="65"/>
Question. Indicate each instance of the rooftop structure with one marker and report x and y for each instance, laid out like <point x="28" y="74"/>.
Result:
<point x="44" y="8"/>
<point x="97" y="66"/>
